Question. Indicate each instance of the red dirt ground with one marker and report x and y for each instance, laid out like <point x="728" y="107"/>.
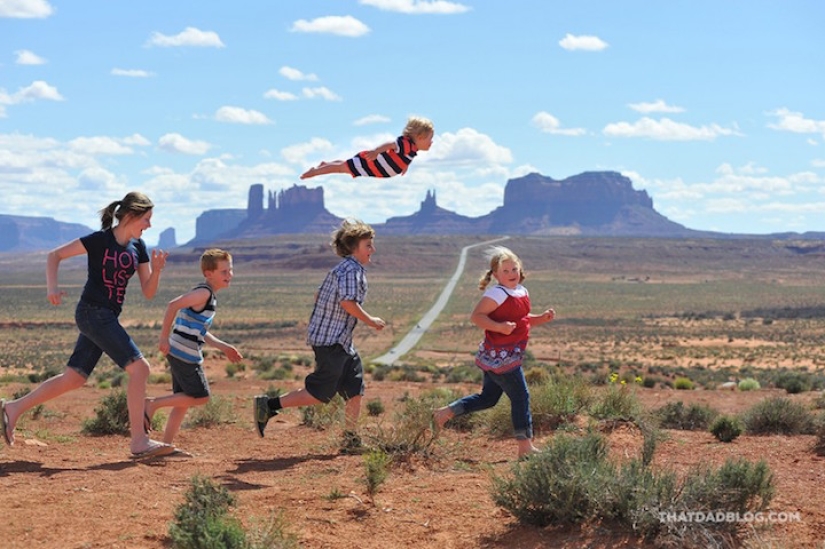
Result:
<point x="63" y="489"/>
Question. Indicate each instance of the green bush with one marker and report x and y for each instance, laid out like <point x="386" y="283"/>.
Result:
<point x="270" y="534"/>
<point x="376" y="465"/>
<point x="203" y="521"/>
<point x="536" y="375"/>
<point x="794" y="382"/>
<point x="726" y="428"/>
<point x="778" y="416"/>
<point x="322" y="416"/>
<point x="466" y="373"/>
<point x="696" y="417"/>
<point x="216" y="411"/>
<point x="375" y="407"/>
<point x="409" y="432"/>
<point x="683" y="384"/>
<point x="749" y="384"/>
<point x="111" y="416"/>
<point x="557" y="485"/>
<point x="616" y="402"/>
<point x="572" y="481"/>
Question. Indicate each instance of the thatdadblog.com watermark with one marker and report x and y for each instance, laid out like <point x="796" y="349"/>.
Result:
<point x="730" y="516"/>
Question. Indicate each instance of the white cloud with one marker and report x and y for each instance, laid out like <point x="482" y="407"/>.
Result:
<point x="339" y="25"/>
<point x="36" y="90"/>
<point x="818" y="163"/>
<point x="97" y="179"/>
<point x="417" y="6"/>
<point x="796" y="122"/>
<point x="294" y="74"/>
<point x="322" y="92"/>
<point x="467" y="146"/>
<point x="548" y="123"/>
<point x="26" y="57"/>
<point x="657" y="106"/>
<point x="586" y="43"/>
<point x="100" y="146"/>
<point x="665" y="129"/>
<point x="132" y="73"/>
<point x="297" y="154"/>
<point x="238" y="115"/>
<point x="40" y="90"/>
<point x="176" y="143"/>
<point x="371" y="119"/>
<point x="747" y="190"/>
<point x="136" y="139"/>
<point x="25" y="9"/>
<point x="280" y="95"/>
<point x="189" y="37"/>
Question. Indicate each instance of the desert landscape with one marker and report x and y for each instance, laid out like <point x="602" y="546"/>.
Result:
<point x="710" y="311"/>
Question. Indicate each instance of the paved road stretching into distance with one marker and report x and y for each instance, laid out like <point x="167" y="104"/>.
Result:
<point x="409" y="340"/>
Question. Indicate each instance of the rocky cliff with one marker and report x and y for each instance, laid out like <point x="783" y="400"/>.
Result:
<point x="590" y="203"/>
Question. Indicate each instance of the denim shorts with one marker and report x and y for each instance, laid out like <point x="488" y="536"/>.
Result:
<point x="188" y="378"/>
<point x="100" y="332"/>
<point x="336" y="371"/>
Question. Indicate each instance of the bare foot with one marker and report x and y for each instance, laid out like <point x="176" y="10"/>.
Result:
<point x="526" y="448"/>
<point x="442" y="416"/>
<point x="151" y="448"/>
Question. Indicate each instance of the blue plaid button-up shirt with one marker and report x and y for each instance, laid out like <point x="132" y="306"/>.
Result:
<point x="330" y="323"/>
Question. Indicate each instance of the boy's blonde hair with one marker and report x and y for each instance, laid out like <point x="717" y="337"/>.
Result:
<point x="345" y="239"/>
<point x="211" y="257"/>
<point x="418" y="126"/>
<point x="498" y="255"/>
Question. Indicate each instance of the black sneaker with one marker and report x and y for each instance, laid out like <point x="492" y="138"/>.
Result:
<point x="351" y="444"/>
<point x="261" y="413"/>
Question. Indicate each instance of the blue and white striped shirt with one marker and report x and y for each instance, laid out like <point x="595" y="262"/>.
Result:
<point x="329" y="323"/>
<point x="187" y="339"/>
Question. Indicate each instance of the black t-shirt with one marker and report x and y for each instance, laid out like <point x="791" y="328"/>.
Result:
<point x="110" y="268"/>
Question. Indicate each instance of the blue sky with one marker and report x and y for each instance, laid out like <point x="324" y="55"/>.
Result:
<point x="715" y="108"/>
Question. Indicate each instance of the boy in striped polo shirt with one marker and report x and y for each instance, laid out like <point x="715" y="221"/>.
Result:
<point x="391" y="158"/>
<point x="184" y="332"/>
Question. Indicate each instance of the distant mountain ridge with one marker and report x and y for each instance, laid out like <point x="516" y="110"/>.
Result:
<point x="598" y="203"/>
<point x="590" y="203"/>
<point x="20" y="233"/>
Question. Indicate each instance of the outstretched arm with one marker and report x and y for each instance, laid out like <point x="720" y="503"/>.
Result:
<point x="70" y="249"/>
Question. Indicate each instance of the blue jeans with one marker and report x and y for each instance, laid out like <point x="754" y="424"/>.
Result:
<point x="515" y="386"/>
<point x="100" y="332"/>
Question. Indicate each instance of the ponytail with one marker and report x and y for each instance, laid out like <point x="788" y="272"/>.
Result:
<point x="134" y="204"/>
<point x="485" y="280"/>
<point x="107" y="215"/>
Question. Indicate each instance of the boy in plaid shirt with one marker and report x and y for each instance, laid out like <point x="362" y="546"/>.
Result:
<point x="337" y="310"/>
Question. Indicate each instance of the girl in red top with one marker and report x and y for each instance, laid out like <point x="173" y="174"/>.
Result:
<point x="504" y="314"/>
<point x="391" y="158"/>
